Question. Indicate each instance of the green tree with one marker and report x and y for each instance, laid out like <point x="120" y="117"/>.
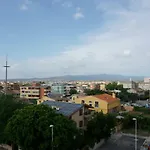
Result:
<point x="114" y="86"/>
<point x="99" y="127"/>
<point x="93" y="92"/>
<point x="29" y="128"/>
<point x="73" y="91"/>
<point x="8" y="105"/>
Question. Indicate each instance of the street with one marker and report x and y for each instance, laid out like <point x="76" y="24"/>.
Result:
<point x="121" y="142"/>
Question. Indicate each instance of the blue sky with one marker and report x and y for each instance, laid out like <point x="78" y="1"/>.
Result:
<point x="46" y="38"/>
<point x="35" y="28"/>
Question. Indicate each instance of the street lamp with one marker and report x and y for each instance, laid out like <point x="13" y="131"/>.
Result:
<point x="52" y="126"/>
<point x="134" y="119"/>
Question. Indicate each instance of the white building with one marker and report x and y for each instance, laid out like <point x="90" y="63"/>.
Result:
<point x="146" y="79"/>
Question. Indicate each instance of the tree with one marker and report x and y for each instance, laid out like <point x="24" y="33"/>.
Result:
<point x="8" y="105"/>
<point x="93" y="92"/>
<point x="73" y="91"/>
<point x="29" y="128"/>
<point x="99" y="127"/>
<point x="114" y="86"/>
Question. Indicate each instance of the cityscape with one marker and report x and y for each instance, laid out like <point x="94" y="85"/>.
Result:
<point x="74" y="75"/>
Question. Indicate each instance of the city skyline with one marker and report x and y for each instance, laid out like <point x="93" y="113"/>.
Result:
<point x="59" y="37"/>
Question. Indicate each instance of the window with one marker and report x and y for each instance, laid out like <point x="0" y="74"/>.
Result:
<point x="82" y="102"/>
<point x="90" y="105"/>
<point x="96" y="104"/>
<point x="80" y="123"/>
<point x="90" y="101"/>
<point x="81" y="112"/>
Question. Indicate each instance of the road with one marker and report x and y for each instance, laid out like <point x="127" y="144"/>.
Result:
<point x="121" y="142"/>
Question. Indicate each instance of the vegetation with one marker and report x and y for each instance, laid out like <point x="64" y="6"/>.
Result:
<point x="8" y="105"/>
<point x="30" y="129"/>
<point x="114" y="86"/>
<point x="93" y="92"/>
<point x="73" y="91"/>
<point x="142" y="110"/>
<point x="100" y="127"/>
<point x="143" y="121"/>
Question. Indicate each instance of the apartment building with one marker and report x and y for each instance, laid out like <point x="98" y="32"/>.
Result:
<point x="147" y="80"/>
<point x="33" y="92"/>
<point x="144" y="85"/>
<point x="62" y="88"/>
<point x="103" y="102"/>
<point x="129" y="85"/>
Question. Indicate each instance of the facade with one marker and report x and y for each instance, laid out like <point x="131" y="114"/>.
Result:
<point x="58" y="89"/>
<point x="144" y="85"/>
<point x="104" y="102"/>
<point x="129" y="85"/>
<point x="62" y="88"/>
<point x="103" y="87"/>
<point x="73" y="111"/>
<point x="33" y="92"/>
<point x="147" y="80"/>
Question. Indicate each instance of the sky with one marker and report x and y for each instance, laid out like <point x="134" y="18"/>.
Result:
<point x="45" y="38"/>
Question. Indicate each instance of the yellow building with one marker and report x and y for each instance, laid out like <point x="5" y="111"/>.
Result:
<point x="33" y="92"/>
<point x="103" y="87"/>
<point x="103" y="102"/>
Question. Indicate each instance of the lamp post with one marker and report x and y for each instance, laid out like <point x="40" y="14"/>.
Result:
<point x="52" y="126"/>
<point x="134" y="119"/>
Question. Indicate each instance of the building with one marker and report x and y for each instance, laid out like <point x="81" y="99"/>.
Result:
<point x="103" y="102"/>
<point x="43" y="99"/>
<point x="33" y="92"/>
<point x="75" y="112"/>
<point x="16" y="93"/>
<point x="144" y="85"/>
<point x="147" y="80"/>
<point x="103" y="87"/>
<point x="129" y="85"/>
<point x="62" y="88"/>
<point x="58" y="88"/>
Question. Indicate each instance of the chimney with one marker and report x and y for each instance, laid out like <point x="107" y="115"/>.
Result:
<point x="113" y="95"/>
<point x="41" y="92"/>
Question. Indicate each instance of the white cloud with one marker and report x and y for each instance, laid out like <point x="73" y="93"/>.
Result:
<point x="121" y="46"/>
<point x="25" y="5"/>
<point x="67" y="4"/>
<point x="78" y="14"/>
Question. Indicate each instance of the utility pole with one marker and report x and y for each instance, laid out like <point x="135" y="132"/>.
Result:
<point x="6" y="75"/>
<point x="136" y="139"/>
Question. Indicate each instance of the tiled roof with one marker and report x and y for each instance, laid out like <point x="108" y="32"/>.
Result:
<point x="67" y="109"/>
<point x="106" y="97"/>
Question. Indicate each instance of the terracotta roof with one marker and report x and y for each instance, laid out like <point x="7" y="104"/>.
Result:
<point x="106" y="97"/>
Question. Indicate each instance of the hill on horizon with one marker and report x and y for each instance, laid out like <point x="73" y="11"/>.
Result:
<point x="108" y="77"/>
